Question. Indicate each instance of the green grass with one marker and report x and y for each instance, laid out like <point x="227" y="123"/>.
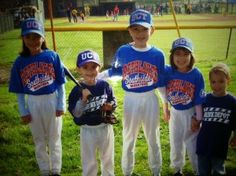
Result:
<point x="17" y="148"/>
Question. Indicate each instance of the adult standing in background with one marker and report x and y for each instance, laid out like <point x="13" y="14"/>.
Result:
<point x="74" y="15"/>
<point x="116" y="12"/>
<point x="87" y="11"/>
<point x="68" y="13"/>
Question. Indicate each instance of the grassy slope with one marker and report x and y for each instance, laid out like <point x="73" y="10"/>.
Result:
<point x="17" y="149"/>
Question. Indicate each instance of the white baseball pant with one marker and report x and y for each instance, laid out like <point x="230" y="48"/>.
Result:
<point x="95" y="139"/>
<point x="141" y="109"/>
<point x="46" y="131"/>
<point x="182" y="139"/>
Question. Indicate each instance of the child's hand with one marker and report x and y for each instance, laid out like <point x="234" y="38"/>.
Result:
<point x="107" y="107"/>
<point x="85" y="95"/>
<point x="166" y="113"/>
<point x="59" y="113"/>
<point x="26" y="119"/>
<point x="195" y="124"/>
<point x="233" y="142"/>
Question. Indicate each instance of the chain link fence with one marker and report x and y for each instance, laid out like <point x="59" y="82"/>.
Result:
<point x="70" y="43"/>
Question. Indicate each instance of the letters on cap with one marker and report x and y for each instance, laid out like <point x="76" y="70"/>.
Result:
<point x="141" y="17"/>
<point x="87" y="56"/>
<point x="182" y="43"/>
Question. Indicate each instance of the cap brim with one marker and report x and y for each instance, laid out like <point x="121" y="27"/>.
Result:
<point x="32" y="31"/>
<point x="87" y="61"/>
<point x="181" y="46"/>
<point x="146" y="25"/>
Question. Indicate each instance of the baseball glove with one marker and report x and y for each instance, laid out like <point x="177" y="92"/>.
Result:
<point x="110" y="118"/>
<point x="107" y="114"/>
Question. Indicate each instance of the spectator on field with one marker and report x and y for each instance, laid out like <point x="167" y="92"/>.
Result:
<point x="74" y="13"/>
<point x="81" y="14"/>
<point x="68" y="13"/>
<point x="116" y="12"/>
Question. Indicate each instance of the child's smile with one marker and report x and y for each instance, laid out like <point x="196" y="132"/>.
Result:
<point x="89" y="72"/>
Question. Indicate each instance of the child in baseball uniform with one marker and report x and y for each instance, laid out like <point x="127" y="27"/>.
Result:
<point x="87" y="106"/>
<point x="37" y="78"/>
<point x="185" y="94"/>
<point x="218" y="122"/>
<point x="141" y="67"/>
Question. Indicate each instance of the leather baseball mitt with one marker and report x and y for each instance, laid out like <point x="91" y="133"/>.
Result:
<point x="107" y="114"/>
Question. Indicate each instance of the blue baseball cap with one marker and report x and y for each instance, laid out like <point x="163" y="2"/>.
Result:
<point x="141" y="17"/>
<point x="87" y="56"/>
<point x="182" y="43"/>
<point x="31" y="25"/>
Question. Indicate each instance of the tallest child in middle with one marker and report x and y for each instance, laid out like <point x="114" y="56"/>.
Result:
<point x="141" y="67"/>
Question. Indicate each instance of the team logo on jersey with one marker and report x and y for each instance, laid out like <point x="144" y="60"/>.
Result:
<point x="37" y="75"/>
<point x="96" y="103"/>
<point x="180" y="92"/>
<point x="215" y="114"/>
<point x="138" y="74"/>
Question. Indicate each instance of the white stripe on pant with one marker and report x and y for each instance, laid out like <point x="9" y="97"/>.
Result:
<point x="182" y="139"/>
<point x="141" y="109"/>
<point x="46" y="130"/>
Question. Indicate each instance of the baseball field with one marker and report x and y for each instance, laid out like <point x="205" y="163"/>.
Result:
<point x="17" y="148"/>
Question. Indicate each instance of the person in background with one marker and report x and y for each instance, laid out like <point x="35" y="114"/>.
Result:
<point x="87" y="11"/>
<point x="185" y="94"/>
<point x="37" y="78"/>
<point x="68" y="14"/>
<point x="81" y="14"/>
<point x="74" y="13"/>
<point x="107" y="14"/>
<point x="218" y="122"/>
<point x="116" y="12"/>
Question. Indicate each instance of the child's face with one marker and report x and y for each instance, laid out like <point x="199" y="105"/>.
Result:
<point x="33" y="42"/>
<point x="181" y="59"/>
<point x="140" y="35"/>
<point x="218" y="83"/>
<point x="89" y="72"/>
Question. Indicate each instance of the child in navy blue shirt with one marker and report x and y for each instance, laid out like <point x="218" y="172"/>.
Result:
<point x="86" y="107"/>
<point x="218" y="122"/>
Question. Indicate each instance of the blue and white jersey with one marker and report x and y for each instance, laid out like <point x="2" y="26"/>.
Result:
<point x="219" y="119"/>
<point x="184" y="90"/>
<point x="141" y="71"/>
<point x="37" y="75"/>
<point x="92" y="115"/>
